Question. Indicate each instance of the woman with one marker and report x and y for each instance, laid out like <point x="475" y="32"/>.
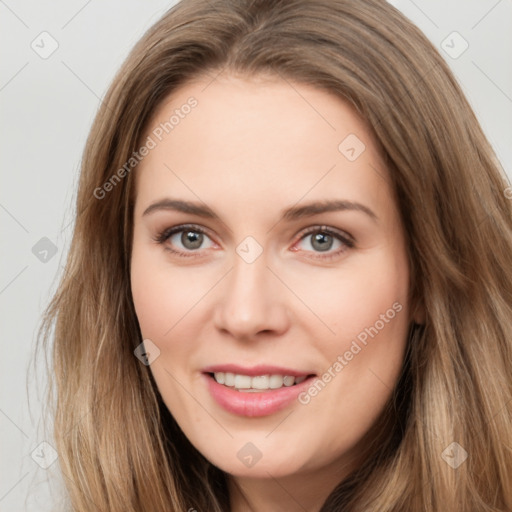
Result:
<point x="289" y="284"/>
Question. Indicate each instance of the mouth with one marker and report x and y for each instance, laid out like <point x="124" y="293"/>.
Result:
<point x="256" y="384"/>
<point x="254" y="392"/>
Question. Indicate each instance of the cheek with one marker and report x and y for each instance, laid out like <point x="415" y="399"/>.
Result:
<point x="162" y="295"/>
<point x="354" y="297"/>
<point x="369" y="315"/>
<point x="365" y="306"/>
<point x="149" y="299"/>
<point x="163" y="302"/>
<point x="170" y="307"/>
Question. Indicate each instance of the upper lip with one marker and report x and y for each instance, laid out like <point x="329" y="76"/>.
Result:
<point x="256" y="370"/>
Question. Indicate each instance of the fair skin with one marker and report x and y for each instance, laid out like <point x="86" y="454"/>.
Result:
<point x="250" y="149"/>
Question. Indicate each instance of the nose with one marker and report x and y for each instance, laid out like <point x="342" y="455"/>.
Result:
<point x="251" y="301"/>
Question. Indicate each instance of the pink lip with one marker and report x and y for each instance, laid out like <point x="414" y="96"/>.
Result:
<point x="262" y="403"/>
<point x="255" y="370"/>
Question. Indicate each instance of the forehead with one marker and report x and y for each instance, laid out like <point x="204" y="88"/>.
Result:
<point x="243" y="140"/>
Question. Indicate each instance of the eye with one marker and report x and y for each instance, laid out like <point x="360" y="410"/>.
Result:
<point x="322" y="239"/>
<point x="187" y="240"/>
<point x="184" y="239"/>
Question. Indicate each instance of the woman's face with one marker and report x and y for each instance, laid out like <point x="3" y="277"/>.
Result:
<point x="279" y="301"/>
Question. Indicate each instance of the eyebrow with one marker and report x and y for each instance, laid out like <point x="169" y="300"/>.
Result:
<point x="292" y="213"/>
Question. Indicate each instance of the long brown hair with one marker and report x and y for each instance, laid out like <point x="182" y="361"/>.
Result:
<point x="119" y="447"/>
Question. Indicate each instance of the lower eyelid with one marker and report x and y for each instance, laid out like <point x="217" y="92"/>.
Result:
<point x="327" y="255"/>
<point x="182" y="254"/>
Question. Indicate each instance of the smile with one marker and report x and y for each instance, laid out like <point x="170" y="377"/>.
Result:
<point x="255" y="392"/>
<point x="246" y="383"/>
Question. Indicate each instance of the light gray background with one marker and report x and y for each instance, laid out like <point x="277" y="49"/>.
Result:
<point x="47" y="106"/>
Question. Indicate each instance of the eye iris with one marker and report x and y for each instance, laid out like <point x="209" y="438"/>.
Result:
<point x="322" y="241"/>
<point x="191" y="239"/>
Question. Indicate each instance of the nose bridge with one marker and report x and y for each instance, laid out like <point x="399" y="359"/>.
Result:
<point x="250" y="301"/>
<point x="250" y="279"/>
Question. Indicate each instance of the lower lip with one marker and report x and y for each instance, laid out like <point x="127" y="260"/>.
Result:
<point x="261" y="403"/>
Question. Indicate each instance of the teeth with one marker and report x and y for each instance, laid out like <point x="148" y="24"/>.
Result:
<point x="288" y="381"/>
<point x="229" y="379"/>
<point x="250" y="384"/>
<point x="242" y="382"/>
<point x="260" y="382"/>
<point x="276" y="382"/>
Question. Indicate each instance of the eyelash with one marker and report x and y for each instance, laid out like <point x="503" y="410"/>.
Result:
<point x="165" y="234"/>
